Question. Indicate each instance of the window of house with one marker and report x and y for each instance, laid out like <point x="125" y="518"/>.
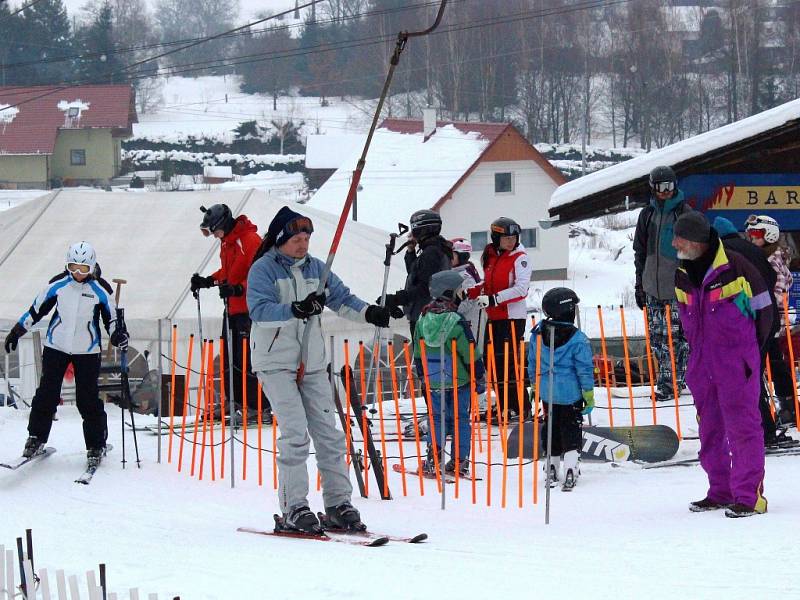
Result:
<point x="478" y="239"/>
<point x="77" y="157"/>
<point x="73" y="112"/>
<point x="503" y="183"/>
<point x="528" y="237"/>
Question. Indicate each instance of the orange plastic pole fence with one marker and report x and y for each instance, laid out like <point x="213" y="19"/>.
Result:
<point x="605" y="366"/>
<point x="319" y="480"/>
<point x="473" y="416"/>
<point x="173" y="364"/>
<point x="504" y="428"/>
<point x="626" y="354"/>
<point x="770" y="389"/>
<point x="244" y="409"/>
<point x="489" y="390"/>
<point x="185" y="401"/>
<point x="792" y="366"/>
<point x="260" y="423"/>
<point x="210" y="395"/>
<point x="205" y="416"/>
<point x="413" y="394"/>
<point x="198" y="403"/>
<point x="365" y="452"/>
<point x="456" y="458"/>
<point x="650" y="370"/>
<point x="536" y="420"/>
<point x="390" y="351"/>
<point x="348" y="434"/>
<point x="520" y="385"/>
<point x="675" y="389"/>
<point x="518" y="374"/>
<point x="379" y="400"/>
<point x="222" y="401"/>
<point x="431" y="427"/>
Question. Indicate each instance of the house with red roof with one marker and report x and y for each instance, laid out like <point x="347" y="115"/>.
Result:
<point x="471" y="173"/>
<point x="57" y="135"/>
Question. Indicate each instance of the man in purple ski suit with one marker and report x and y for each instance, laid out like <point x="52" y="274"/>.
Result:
<point x="725" y="310"/>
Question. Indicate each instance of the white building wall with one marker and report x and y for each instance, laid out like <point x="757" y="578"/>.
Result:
<point x="475" y="205"/>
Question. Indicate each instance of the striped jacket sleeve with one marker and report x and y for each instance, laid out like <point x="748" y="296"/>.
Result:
<point x="43" y="303"/>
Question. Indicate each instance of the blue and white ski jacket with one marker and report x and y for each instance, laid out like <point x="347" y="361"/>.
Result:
<point x="274" y="282"/>
<point x="75" y="325"/>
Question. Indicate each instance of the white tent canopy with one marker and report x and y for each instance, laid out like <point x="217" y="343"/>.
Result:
<point x="153" y="241"/>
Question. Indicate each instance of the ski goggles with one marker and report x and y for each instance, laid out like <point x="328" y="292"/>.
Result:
<point x="78" y="269"/>
<point x="506" y="231"/>
<point x="757" y="234"/>
<point x="299" y="225"/>
<point x="662" y="187"/>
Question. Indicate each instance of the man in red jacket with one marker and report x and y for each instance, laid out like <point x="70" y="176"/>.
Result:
<point x="239" y="241"/>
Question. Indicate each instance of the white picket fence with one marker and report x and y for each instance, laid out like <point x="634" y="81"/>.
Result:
<point x="10" y="590"/>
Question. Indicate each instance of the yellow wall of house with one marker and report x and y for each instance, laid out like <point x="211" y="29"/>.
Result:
<point x="23" y="170"/>
<point x="101" y="149"/>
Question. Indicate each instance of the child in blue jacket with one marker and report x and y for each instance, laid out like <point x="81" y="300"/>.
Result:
<point x="573" y="379"/>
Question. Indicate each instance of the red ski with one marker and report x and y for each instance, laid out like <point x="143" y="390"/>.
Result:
<point x="371" y="542"/>
<point x="448" y="477"/>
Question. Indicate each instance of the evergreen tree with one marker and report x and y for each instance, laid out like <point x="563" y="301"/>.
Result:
<point x="102" y="64"/>
<point x="46" y="36"/>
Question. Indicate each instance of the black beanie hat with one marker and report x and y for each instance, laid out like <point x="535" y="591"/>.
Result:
<point x="693" y="226"/>
<point x="277" y="228"/>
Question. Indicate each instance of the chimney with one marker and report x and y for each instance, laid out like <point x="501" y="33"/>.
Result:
<point x="428" y="123"/>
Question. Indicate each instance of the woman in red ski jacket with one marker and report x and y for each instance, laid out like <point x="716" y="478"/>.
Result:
<point x="507" y="274"/>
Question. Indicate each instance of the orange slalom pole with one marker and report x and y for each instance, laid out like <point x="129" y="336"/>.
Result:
<point x="518" y="373"/>
<point x="210" y="395"/>
<point x="489" y="391"/>
<point x="274" y="452"/>
<point x="473" y="414"/>
<point x="431" y="427"/>
<point x="173" y="364"/>
<point x="520" y="385"/>
<point x="536" y="420"/>
<point x="222" y="407"/>
<point x="204" y="418"/>
<point x="198" y="404"/>
<point x="675" y="390"/>
<point x="770" y="389"/>
<point x="650" y="370"/>
<point x="413" y="395"/>
<point x="365" y="452"/>
<point x="605" y="366"/>
<point x="627" y="364"/>
<point x="456" y="463"/>
<point x="397" y="415"/>
<point x="504" y="428"/>
<point x="260" y="450"/>
<point x="187" y="378"/>
<point x="792" y="366"/>
<point x="348" y="434"/>
<point x="379" y="400"/>
<point x="319" y="480"/>
<point x="244" y="409"/>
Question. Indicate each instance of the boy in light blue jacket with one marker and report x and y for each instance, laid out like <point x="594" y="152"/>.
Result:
<point x="573" y="379"/>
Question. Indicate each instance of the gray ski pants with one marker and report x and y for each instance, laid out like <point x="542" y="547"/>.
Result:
<point x="301" y="410"/>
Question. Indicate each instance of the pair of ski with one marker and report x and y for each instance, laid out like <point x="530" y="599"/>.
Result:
<point x="332" y="534"/>
<point x="449" y="476"/>
<point x="688" y="462"/>
<point x="85" y="478"/>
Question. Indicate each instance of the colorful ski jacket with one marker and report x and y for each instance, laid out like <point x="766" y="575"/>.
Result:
<point x="730" y="314"/>
<point x="573" y="367"/>
<point x="274" y="282"/>
<point x="79" y="306"/>
<point x="438" y="325"/>
<point x="236" y="253"/>
<point x="507" y="276"/>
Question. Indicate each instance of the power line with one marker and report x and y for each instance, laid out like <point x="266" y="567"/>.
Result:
<point x="19" y="10"/>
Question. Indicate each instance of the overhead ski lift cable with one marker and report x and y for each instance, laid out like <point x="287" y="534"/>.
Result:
<point x="518" y="17"/>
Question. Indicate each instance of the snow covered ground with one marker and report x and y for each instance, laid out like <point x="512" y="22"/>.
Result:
<point x="12" y="198"/>
<point x="623" y="533"/>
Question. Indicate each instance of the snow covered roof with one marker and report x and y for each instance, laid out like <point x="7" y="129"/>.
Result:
<point x="682" y="153"/>
<point x="405" y="173"/>
<point x="32" y="116"/>
<point x="218" y="171"/>
<point x="328" y="151"/>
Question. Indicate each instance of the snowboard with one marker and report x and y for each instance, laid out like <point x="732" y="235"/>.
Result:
<point x="645" y="443"/>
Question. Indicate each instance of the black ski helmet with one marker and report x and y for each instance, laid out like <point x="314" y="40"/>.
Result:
<point x="560" y="304"/>
<point x="425" y="223"/>
<point x="218" y="216"/>
<point x="445" y="284"/>
<point x="502" y="227"/>
<point x="662" y="174"/>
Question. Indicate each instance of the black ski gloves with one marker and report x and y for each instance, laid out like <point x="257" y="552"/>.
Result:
<point x="392" y="304"/>
<point x="641" y="297"/>
<point x="310" y="306"/>
<point x="226" y="290"/>
<point x="393" y="301"/>
<point x="119" y="339"/>
<point x="198" y="282"/>
<point x="378" y="315"/>
<point x="13" y="337"/>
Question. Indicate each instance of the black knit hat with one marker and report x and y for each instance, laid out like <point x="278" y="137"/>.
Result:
<point x="693" y="226"/>
<point x="280" y="229"/>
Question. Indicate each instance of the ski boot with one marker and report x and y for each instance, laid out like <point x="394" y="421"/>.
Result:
<point x="571" y="470"/>
<point x="706" y="505"/>
<point x="301" y="519"/>
<point x="737" y="511"/>
<point x="463" y="470"/>
<point x="33" y="446"/>
<point x="94" y="456"/>
<point x="786" y="413"/>
<point x="552" y="478"/>
<point x="429" y="465"/>
<point x="345" y="517"/>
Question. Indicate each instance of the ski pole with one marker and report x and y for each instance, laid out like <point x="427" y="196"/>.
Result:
<point x="402" y="40"/>
<point x="126" y="390"/>
<point x="549" y="424"/>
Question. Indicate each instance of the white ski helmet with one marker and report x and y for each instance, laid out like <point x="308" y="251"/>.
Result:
<point x="766" y="224"/>
<point x="82" y="253"/>
<point x="461" y="245"/>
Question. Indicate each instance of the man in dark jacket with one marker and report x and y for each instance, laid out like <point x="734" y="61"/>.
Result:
<point x="732" y="240"/>
<point x="428" y="253"/>
<point x="656" y="261"/>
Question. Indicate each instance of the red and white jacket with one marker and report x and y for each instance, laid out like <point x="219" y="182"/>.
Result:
<point x="236" y="253"/>
<point x="507" y="276"/>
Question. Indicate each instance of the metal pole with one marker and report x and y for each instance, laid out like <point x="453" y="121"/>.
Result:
<point x="442" y="415"/>
<point x="231" y="403"/>
<point x="160" y="392"/>
<point x="549" y="422"/>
